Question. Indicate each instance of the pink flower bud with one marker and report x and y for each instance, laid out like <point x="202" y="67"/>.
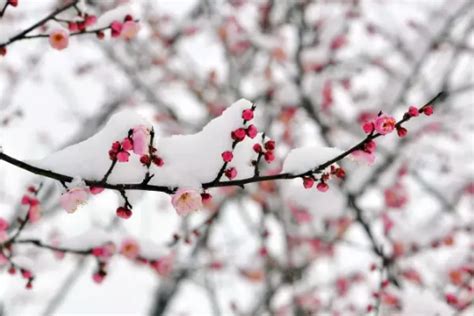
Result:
<point x="206" y="197"/>
<point x="122" y="156"/>
<point x="127" y="144"/>
<point x="164" y="265"/>
<point x="270" y="145"/>
<point x="72" y="27"/>
<point x="413" y="111"/>
<point x="96" y="190"/>
<point x="116" y="28"/>
<point x="98" y="277"/>
<point x="257" y="148"/>
<point x="428" y="110"/>
<point x="247" y="114"/>
<point x="402" y="132"/>
<point x="158" y="161"/>
<point x="90" y="20"/>
<point x="238" y="134"/>
<point x="227" y="156"/>
<point x="308" y="182"/>
<point x="269" y="156"/>
<point x="368" y="127"/>
<point x="322" y="187"/>
<point x="252" y="131"/>
<point x="3" y="224"/>
<point x="231" y="173"/>
<point x="123" y="212"/>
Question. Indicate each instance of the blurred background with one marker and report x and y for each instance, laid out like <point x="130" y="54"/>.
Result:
<point x="394" y="238"/>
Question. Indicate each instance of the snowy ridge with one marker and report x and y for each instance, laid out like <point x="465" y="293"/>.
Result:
<point x="302" y="159"/>
<point x="190" y="160"/>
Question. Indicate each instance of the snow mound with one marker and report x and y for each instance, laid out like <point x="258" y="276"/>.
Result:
<point x="300" y="160"/>
<point x="190" y="160"/>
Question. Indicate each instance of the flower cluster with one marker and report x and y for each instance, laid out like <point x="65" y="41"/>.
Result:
<point x="34" y="209"/>
<point x="266" y="150"/>
<point x="127" y="29"/>
<point x="239" y="135"/>
<point x="59" y="35"/>
<point x="396" y="196"/>
<point x="138" y="141"/>
<point x="322" y="186"/>
<point x="366" y="153"/>
<point x="82" y="23"/>
<point x="383" y="124"/>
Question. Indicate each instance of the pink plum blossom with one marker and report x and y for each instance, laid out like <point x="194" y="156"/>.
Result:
<point x="130" y="248"/>
<point x="73" y="198"/>
<point x="59" y="39"/>
<point x="186" y="201"/>
<point x="130" y="29"/>
<point x="3" y="224"/>
<point x="164" y="265"/>
<point x="385" y="124"/>
<point x="34" y="213"/>
<point x="141" y="140"/>
<point x="122" y="156"/>
<point x="363" y="156"/>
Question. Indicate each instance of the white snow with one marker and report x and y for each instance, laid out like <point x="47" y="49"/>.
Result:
<point x="89" y="159"/>
<point x="426" y="303"/>
<point x="190" y="160"/>
<point x="117" y="14"/>
<point x="87" y="240"/>
<point x="302" y="159"/>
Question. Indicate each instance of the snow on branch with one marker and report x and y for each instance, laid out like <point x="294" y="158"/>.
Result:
<point x="127" y="155"/>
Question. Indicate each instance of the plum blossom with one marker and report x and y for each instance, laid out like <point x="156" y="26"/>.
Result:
<point x="384" y="124"/>
<point x="186" y="201"/>
<point x="164" y="265"/>
<point x="428" y="110"/>
<point x="413" y="111"/>
<point x="247" y="114"/>
<point x="3" y="224"/>
<point x="366" y="154"/>
<point x="116" y="28"/>
<point x="104" y="252"/>
<point x="227" y="156"/>
<point x="59" y="39"/>
<point x="98" y="277"/>
<point x="130" y="29"/>
<point x="123" y="212"/>
<point x="141" y="140"/>
<point x="129" y="248"/>
<point x="73" y="198"/>
<point x="251" y="131"/>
